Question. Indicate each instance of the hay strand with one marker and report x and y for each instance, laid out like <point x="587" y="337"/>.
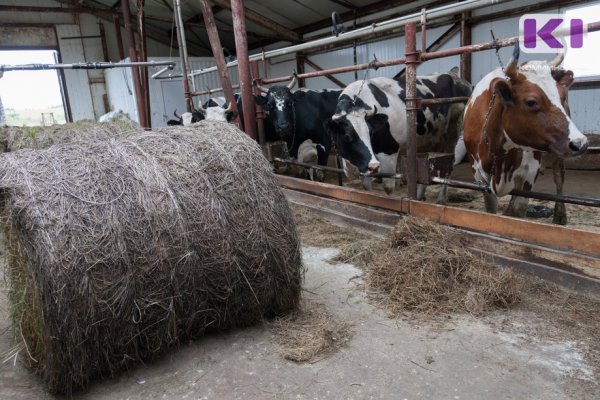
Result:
<point x="423" y="270"/>
<point x="122" y="248"/>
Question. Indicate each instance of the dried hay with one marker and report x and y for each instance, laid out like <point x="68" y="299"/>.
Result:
<point x="424" y="269"/>
<point x="308" y="332"/>
<point x="315" y="231"/>
<point x="14" y="138"/>
<point x="119" y="249"/>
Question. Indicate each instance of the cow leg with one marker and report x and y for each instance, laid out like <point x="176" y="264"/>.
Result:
<point x="491" y="202"/>
<point x="560" y="210"/>
<point x="421" y="191"/>
<point x="517" y="207"/>
<point x="442" y="197"/>
<point x="388" y="166"/>
<point x="367" y="183"/>
<point x="322" y="159"/>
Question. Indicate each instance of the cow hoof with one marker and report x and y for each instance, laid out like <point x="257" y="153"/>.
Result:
<point x="539" y="211"/>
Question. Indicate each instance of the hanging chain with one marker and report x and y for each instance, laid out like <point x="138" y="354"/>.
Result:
<point x="497" y="47"/>
<point x="486" y="138"/>
<point x="370" y="66"/>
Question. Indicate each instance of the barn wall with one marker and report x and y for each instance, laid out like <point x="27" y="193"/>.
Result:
<point x="583" y="101"/>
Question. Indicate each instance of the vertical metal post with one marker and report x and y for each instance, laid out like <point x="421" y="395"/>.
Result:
<point x="412" y="105"/>
<point x="135" y="70"/>
<point x="241" y="49"/>
<point x="300" y="57"/>
<point x="183" y="55"/>
<point x="465" y="40"/>
<point x="103" y="41"/>
<point x="217" y="49"/>
<point x="117" y="22"/>
<point x="141" y="20"/>
<point x="260" y="114"/>
<point x="423" y="30"/>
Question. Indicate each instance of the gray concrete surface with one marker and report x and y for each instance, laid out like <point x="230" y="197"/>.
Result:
<point x="465" y="358"/>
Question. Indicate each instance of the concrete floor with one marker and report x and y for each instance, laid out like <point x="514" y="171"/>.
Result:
<point x="466" y="358"/>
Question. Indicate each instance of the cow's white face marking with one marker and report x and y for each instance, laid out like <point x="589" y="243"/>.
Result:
<point x="357" y="119"/>
<point x="216" y="113"/>
<point x="186" y="117"/>
<point x="279" y="103"/>
<point x="539" y="73"/>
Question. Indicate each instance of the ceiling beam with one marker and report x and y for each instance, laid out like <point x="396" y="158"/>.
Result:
<point x="286" y="33"/>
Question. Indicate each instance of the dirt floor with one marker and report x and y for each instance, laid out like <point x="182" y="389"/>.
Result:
<point x="535" y="351"/>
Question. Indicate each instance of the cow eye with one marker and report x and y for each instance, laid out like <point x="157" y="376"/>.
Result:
<point x="532" y="103"/>
<point x="267" y="106"/>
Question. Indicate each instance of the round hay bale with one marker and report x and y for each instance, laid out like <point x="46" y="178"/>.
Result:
<point x="119" y="249"/>
<point x="14" y="138"/>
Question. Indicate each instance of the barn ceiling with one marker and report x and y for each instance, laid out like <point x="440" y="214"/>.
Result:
<point x="267" y="22"/>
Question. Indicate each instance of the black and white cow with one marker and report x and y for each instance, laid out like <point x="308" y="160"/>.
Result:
<point x="185" y="119"/>
<point x="369" y="127"/>
<point x="297" y="118"/>
<point x="217" y="108"/>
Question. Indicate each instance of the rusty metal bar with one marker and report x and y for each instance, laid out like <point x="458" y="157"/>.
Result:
<point x="465" y="40"/>
<point x="241" y="48"/>
<point x="412" y="106"/>
<point x="117" y="23"/>
<point x="339" y="70"/>
<point x="423" y="29"/>
<point x="444" y="100"/>
<point x="143" y="118"/>
<point x="183" y="55"/>
<point x="81" y="37"/>
<point x="105" y="54"/>
<point x="260" y="114"/>
<point x="217" y="49"/>
<point x="318" y="68"/>
<point x="210" y="91"/>
<point x="482" y="187"/>
<point x="141" y="23"/>
<point x="336" y="170"/>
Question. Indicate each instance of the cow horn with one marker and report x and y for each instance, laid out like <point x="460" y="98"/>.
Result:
<point x="176" y="115"/>
<point x="229" y="107"/>
<point x="336" y="117"/>
<point x="372" y="112"/>
<point x="557" y="60"/>
<point x="293" y="82"/>
<point x="201" y="108"/>
<point x="259" y="87"/>
<point x="511" y="67"/>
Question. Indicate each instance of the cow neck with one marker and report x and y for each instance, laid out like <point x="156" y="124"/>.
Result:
<point x="493" y="138"/>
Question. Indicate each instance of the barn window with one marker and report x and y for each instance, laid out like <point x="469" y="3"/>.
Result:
<point x="583" y="61"/>
<point x="31" y="98"/>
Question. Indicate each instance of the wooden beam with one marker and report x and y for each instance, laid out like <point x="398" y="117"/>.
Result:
<point x="286" y="33"/>
<point x="465" y="40"/>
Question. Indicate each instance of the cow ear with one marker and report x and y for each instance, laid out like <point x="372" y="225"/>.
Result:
<point x="563" y="77"/>
<point x="502" y="88"/>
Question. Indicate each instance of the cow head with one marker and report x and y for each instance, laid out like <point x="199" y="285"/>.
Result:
<point x="351" y="128"/>
<point x="187" y="118"/>
<point x="534" y="113"/>
<point x="216" y="112"/>
<point x="279" y="103"/>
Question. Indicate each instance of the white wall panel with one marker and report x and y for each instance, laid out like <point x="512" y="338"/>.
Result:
<point x="77" y="82"/>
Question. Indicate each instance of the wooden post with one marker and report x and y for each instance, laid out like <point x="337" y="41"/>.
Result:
<point x="465" y="40"/>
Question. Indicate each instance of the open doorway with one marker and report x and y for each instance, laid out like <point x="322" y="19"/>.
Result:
<point x="31" y="98"/>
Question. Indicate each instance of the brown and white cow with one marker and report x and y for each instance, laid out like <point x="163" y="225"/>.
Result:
<point x="512" y="119"/>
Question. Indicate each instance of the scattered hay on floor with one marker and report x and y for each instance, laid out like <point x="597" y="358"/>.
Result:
<point x="423" y="270"/>
<point x="315" y="231"/>
<point x="309" y="332"/>
<point x="119" y="249"/>
<point x="14" y="138"/>
<point x="359" y="253"/>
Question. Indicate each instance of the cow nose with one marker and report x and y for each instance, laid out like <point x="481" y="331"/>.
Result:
<point x="373" y="167"/>
<point x="578" y="146"/>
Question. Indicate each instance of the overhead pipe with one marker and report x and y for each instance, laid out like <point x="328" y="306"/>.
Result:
<point x="87" y="65"/>
<point x="241" y="49"/>
<point x="217" y="49"/>
<point x="444" y="11"/>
